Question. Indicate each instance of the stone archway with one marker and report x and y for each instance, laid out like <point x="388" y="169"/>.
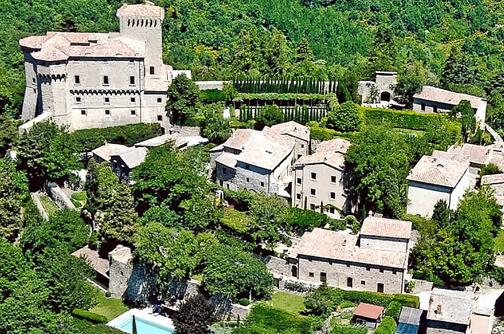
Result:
<point x="385" y="96"/>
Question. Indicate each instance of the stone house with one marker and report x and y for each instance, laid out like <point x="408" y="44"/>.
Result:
<point x="437" y="178"/>
<point x="94" y="80"/>
<point x="259" y="161"/>
<point x="368" y="315"/>
<point x="295" y="132"/>
<point x="375" y="261"/>
<point x="437" y="100"/>
<point x="105" y="152"/>
<point x="379" y="92"/>
<point x="122" y="164"/>
<point x="318" y="180"/>
<point x="450" y="311"/>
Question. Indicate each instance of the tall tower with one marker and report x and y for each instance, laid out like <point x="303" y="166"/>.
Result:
<point x="144" y="23"/>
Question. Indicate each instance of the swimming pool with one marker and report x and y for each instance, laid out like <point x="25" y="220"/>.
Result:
<point x="146" y="323"/>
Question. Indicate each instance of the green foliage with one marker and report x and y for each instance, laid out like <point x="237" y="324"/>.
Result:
<point x="14" y="190"/>
<point x="441" y="213"/>
<point x="9" y="134"/>
<point x="212" y="96"/>
<point x="110" y="203"/>
<point x="235" y="273"/>
<point x="268" y="212"/>
<point x="490" y="169"/>
<point x="266" y="319"/>
<point x="345" y="118"/>
<point x="161" y="214"/>
<point x="268" y="116"/>
<point x="194" y="316"/>
<point x="393" y="310"/>
<point x="88" y="139"/>
<point x="244" y="301"/>
<point x="386" y="326"/>
<point x="465" y="112"/>
<point x="348" y="329"/>
<point x="298" y="97"/>
<point x="235" y="220"/>
<point x="183" y="100"/>
<point x="214" y="126"/>
<point x="410" y="81"/>
<point x="90" y="316"/>
<point x="303" y="220"/>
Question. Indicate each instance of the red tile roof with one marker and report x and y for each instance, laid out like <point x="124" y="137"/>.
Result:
<point x="369" y="311"/>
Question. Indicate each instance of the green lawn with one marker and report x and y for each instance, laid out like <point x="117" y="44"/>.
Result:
<point x="49" y="206"/>
<point x="110" y="308"/>
<point x="499" y="242"/>
<point x="236" y="220"/>
<point x="287" y="302"/>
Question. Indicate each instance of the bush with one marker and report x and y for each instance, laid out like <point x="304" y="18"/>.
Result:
<point x="79" y="196"/>
<point x="89" y="139"/>
<point x="212" y="96"/>
<point x="382" y="299"/>
<point x="244" y="301"/>
<point x="405" y="119"/>
<point x="297" y="286"/>
<point x="348" y="329"/>
<point x="345" y="118"/>
<point x="387" y="326"/>
<point x="90" y="316"/>
<point x="393" y="310"/>
<point x="490" y="169"/>
<point x="302" y="220"/>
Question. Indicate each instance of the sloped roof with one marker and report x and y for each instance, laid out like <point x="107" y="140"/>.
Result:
<point x="475" y="153"/>
<point x="98" y="264"/>
<point x="451" y="306"/>
<point x="368" y="311"/>
<point x="340" y="245"/>
<point x="290" y="128"/>
<point x="435" y="94"/>
<point x="443" y="172"/>
<point x="410" y="316"/>
<point x="384" y="227"/>
<point x="141" y="10"/>
<point x="329" y="152"/>
<point x="133" y="157"/>
<point x="108" y="150"/>
<point x="492" y="179"/>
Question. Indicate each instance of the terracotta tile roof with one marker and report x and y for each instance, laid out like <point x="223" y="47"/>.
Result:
<point x="141" y="10"/>
<point x="368" y="311"/>
<point x="330" y="152"/>
<point x="340" y="245"/>
<point x="290" y="128"/>
<point x="435" y="94"/>
<point x="98" y="264"/>
<point x="476" y="153"/>
<point x="443" y="172"/>
<point x="451" y="306"/>
<point x="384" y="227"/>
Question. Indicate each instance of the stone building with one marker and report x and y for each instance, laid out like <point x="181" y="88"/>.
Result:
<point x="260" y="161"/>
<point x="437" y="100"/>
<point x="106" y="151"/>
<point x="368" y="315"/>
<point x="319" y="183"/>
<point x="450" y="311"/>
<point x="369" y="262"/>
<point x="436" y="178"/>
<point x="122" y="164"/>
<point x="380" y="91"/>
<point x="94" y="80"/>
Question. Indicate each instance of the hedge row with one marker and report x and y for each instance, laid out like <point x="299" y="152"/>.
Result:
<point x="284" y="85"/>
<point x="212" y="96"/>
<point x="90" y="316"/>
<point x="319" y="133"/>
<point x="405" y="119"/>
<point x="381" y="299"/>
<point x="89" y="139"/>
<point x="283" y="97"/>
<point x="387" y="326"/>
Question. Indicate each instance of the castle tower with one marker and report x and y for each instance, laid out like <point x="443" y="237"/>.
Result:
<point x="143" y="23"/>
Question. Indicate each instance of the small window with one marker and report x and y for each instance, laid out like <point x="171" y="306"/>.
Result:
<point x="312" y="206"/>
<point x="348" y="266"/>
<point x="363" y="282"/>
<point x="313" y="192"/>
<point x="132" y="80"/>
<point x="132" y="100"/>
<point x="298" y="180"/>
<point x="314" y="176"/>
<point x="262" y="184"/>
<point x="423" y="106"/>
<point x="151" y="70"/>
<point x="331" y="210"/>
<point x="133" y="112"/>
<point x="333" y="195"/>
<point x="298" y="196"/>
<point x="381" y="270"/>
<point x="224" y="170"/>
<point x="394" y="272"/>
<point x="323" y="277"/>
<point x="83" y="112"/>
<point x="368" y="269"/>
<point x="380" y="287"/>
<point x="159" y="100"/>
<point x="435" y="109"/>
<point x="333" y="179"/>
<point x="248" y="180"/>
<point x="33" y="80"/>
<point x="311" y="275"/>
<point x="78" y="99"/>
<point x="107" y="112"/>
<point x="105" y="80"/>
<point x="77" y="80"/>
<point x="159" y="118"/>
<point x="349" y="282"/>
<point x="107" y="100"/>
<point x="302" y="145"/>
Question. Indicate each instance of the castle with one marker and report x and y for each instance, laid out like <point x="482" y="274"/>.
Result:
<point x="92" y="80"/>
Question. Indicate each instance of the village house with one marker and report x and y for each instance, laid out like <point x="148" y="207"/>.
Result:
<point x="123" y="163"/>
<point x="319" y="183"/>
<point x="437" y="100"/>
<point x="374" y="261"/>
<point x="92" y="80"/>
<point x="106" y="151"/>
<point x="436" y="178"/>
<point x="450" y="311"/>
<point x="260" y="161"/>
<point x="368" y="315"/>
<point x="379" y="92"/>
<point x="409" y="320"/>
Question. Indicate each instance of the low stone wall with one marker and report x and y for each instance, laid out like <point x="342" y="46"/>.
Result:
<point x="36" y="200"/>
<point x="60" y="197"/>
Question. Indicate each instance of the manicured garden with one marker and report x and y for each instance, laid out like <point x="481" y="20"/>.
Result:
<point x="108" y="307"/>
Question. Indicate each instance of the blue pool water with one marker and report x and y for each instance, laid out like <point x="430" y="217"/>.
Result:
<point x="143" y="327"/>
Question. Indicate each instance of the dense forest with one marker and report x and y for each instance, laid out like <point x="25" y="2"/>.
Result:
<point x="456" y="44"/>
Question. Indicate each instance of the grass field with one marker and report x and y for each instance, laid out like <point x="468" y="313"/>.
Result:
<point x="110" y="308"/>
<point x="287" y="302"/>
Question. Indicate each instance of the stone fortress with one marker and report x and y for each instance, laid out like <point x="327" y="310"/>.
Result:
<point x="92" y="80"/>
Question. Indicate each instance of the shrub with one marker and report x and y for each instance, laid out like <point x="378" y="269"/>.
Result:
<point x="90" y="316"/>
<point x="301" y="220"/>
<point x="79" y="196"/>
<point x="345" y="118"/>
<point x="346" y="304"/>
<point x="348" y="329"/>
<point x="89" y="139"/>
<point x="387" y="326"/>
<point x="297" y="286"/>
<point x="382" y="299"/>
<point x="393" y="310"/>
<point x="212" y="96"/>
<point x="405" y="119"/>
<point x="490" y="169"/>
<point x="244" y="301"/>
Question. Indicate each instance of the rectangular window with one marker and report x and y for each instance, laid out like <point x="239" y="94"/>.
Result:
<point x="349" y="282"/>
<point x="302" y="145"/>
<point x="312" y="206"/>
<point x="151" y="70"/>
<point x="423" y="106"/>
<point x="224" y="170"/>
<point x="298" y="180"/>
<point x="77" y="80"/>
<point x="132" y="80"/>
<point x="333" y="195"/>
<point x="159" y="100"/>
<point x="133" y="112"/>
<point x="381" y="270"/>
<point x="311" y="275"/>
<point x="33" y="80"/>
<point x="78" y="99"/>
<point x="107" y="112"/>
<point x="132" y="100"/>
<point x="248" y="180"/>
<point x="380" y="287"/>
<point x="323" y="277"/>
<point x="333" y="179"/>
<point x="105" y="80"/>
<point x="83" y="112"/>
<point x="298" y="196"/>
<point x="331" y="210"/>
<point x="262" y="184"/>
<point x="107" y="100"/>
<point x="363" y="282"/>
<point x="314" y="176"/>
<point x="160" y="117"/>
<point x="368" y="269"/>
<point x="435" y="109"/>
<point x="313" y="192"/>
